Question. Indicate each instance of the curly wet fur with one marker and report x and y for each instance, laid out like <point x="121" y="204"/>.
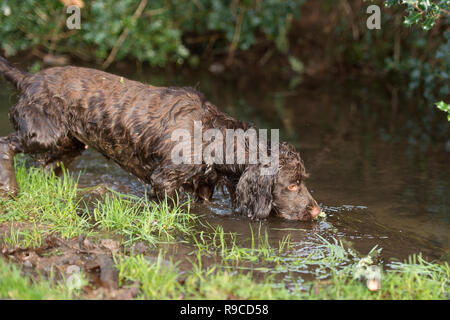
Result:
<point x="62" y="110"/>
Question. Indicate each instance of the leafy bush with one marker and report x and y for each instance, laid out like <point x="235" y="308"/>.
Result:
<point x="41" y="24"/>
<point x="153" y="35"/>
<point x="162" y="32"/>
<point x="238" y="21"/>
<point x="425" y="12"/>
<point x="441" y="105"/>
<point x="433" y="73"/>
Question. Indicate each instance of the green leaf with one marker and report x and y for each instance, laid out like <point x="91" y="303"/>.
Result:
<point x="413" y="18"/>
<point x="296" y="64"/>
<point x="443" y="106"/>
<point x="428" y="24"/>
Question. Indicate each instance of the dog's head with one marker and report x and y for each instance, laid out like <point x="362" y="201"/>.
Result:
<point x="284" y="192"/>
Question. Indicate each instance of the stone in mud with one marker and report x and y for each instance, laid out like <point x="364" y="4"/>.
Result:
<point x="30" y="258"/>
<point x="27" y="264"/>
<point x="108" y="273"/>
<point x="73" y="269"/>
<point x="112" y="245"/>
<point x="139" y="248"/>
<point x="69" y="258"/>
<point x="75" y="281"/>
<point x="92" y="265"/>
<point x="87" y="245"/>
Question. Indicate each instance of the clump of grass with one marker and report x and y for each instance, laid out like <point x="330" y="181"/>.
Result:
<point x="320" y="258"/>
<point x="23" y="238"/>
<point x="15" y="285"/>
<point x="44" y="198"/>
<point x="157" y="279"/>
<point x="221" y="285"/>
<point x="225" y="244"/>
<point x="142" y="220"/>
<point x="54" y="203"/>
<point x="415" y="279"/>
<point x="160" y="279"/>
<point x="324" y="257"/>
<point x="337" y="267"/>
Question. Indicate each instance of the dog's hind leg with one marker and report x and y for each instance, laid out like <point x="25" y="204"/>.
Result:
<point x="8" y="181"/>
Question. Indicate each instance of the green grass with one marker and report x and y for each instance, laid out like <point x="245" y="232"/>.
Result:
<point x="141" y="220"/>
<point x="161" y="279"/>
<point x="334" y="267"/>
<point x="241" y="269"/>
<point x="414" y="279"/>
<point x="30" y="237"/>
<point x="46" y="199"/>
<point x="320" y="257"/>
<point x="54" y="203"/>
<point x="225" y="244"/>
<point x="16" y="285"/>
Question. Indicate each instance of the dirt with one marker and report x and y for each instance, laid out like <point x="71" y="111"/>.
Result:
<point x="66" y="257"/>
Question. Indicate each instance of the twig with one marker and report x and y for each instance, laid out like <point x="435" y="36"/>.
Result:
<point x="198" y="4"/>
<point x="54" y="38"/>
<point x="124" y="35"/>
<point x="416" y="7"/>
<point x="349" y="11"/>
<point x="237" y="34"/>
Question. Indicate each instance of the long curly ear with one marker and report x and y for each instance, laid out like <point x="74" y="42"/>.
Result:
<point x="254" y="193"/>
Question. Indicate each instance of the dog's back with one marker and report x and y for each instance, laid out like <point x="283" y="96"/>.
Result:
<point x="63" y="109"/>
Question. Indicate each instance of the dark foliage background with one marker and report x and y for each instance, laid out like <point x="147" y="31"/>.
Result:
<point x="293" y="37"/>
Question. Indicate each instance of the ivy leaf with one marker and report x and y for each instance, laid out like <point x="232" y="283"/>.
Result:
<point x="441" y="105"/>
<point x="296" y="64"/>
<point x="413" y="18"/>
<point x="428" y="24"/>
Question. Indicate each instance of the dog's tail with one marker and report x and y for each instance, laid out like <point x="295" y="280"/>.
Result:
<point x="11" y="73"/>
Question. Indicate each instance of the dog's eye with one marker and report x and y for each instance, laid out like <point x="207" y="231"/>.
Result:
<point x="293" y="187"/>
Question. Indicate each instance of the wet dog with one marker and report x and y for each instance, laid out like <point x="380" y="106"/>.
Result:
<point x="62" y="110"/>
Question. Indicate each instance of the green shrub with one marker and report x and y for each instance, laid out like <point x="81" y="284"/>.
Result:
<point x="154" y="36"/>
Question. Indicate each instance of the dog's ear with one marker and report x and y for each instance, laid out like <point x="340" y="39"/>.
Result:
<point x="254" y="193"/>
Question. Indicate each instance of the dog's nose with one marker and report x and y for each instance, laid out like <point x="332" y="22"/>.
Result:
<point x="314" y="212"/>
